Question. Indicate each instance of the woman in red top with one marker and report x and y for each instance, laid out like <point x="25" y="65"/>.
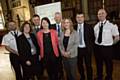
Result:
<point x="48" y="43"/>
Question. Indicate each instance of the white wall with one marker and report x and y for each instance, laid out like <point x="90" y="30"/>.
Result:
<point x="48" y="10"/>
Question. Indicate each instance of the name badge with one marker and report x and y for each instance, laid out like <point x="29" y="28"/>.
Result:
<point x="32" y="50"/>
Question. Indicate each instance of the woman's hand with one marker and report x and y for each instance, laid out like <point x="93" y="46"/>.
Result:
<point x="28" y="62"/>
<point x="63" y="52"/>
<point x="67" y="54"/>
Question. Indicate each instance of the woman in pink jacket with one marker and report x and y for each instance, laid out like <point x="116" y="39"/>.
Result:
<point x="48" y="43"/>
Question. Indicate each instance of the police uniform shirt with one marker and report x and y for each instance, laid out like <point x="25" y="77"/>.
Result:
<point x="9" y="40"/>
<point x="109" y="30"/>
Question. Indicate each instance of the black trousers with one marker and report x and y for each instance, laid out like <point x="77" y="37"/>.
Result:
<point x="60" y="68"/>
<point x="103" y="54"/>
<point x="84" y="56"/>
<point x="60" y="65"/>
<point x="52" y="67"/>
<point x="29" y="72"/>
<point x="15" y="62"/>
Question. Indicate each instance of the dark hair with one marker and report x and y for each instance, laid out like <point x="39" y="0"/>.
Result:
<point x="36" y="15"/>
<point x="23" y="25"/>
<point x="11" y="21"/>
<point x="7" y="23"/>
<point x="48" y="21"/>
<point x="78" y="13"/>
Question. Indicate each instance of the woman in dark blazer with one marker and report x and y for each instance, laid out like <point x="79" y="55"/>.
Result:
<point x="28" y="49"/>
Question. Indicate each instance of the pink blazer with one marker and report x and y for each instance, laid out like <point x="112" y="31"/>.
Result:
<point x="54" y="40"/>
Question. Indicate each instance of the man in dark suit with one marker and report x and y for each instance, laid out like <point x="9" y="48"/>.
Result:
<point x="36" y="27"/>
<point x="85" y="47"/>
<point x="36" y="23"/>
<point x="57" y="25"/>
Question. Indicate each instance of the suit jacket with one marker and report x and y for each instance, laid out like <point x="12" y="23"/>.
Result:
<point x="53" y="26"/>
<point x="88" y="36"/>
<point x="54" y="39"/>
<point x="34" y="30"/>
<point x="24" y="48"/>
<point x="72" y="44"/>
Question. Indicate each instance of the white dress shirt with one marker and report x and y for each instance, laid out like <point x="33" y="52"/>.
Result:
<point x="59" y="26"/>
<point x="109" y="31"/>
<point x="9" y="40"/>
<point x="81" y="27"/>
<point x="36" y="27"/>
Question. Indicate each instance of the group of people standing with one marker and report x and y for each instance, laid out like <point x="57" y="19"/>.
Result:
<point x="52" y="47"/>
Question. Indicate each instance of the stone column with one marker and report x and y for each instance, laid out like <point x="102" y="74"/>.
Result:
<point x="85" y="8"/>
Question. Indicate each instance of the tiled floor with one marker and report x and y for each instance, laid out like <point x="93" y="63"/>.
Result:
<point x="6" y="72"/>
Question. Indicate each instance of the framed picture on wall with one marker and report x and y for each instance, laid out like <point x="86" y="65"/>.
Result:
<point x="15" y="3"/>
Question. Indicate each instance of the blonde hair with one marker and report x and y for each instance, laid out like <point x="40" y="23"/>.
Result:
<point x="71" y="25"/>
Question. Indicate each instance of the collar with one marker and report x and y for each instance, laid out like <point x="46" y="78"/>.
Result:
<point x="103" y="21"/>
<point x="16" y="31"/>
<point x="58" y="24"/>
<point x="80" y="24"/>
<point x="13" y="32"/>
<point x="37" y="26"/>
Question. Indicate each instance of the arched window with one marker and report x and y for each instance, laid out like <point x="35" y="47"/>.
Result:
<point x="2" y="22"/>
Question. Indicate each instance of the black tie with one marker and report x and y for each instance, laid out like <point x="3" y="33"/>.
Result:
<point x="58" y="30"/>
<point x="16" y="38"/>
<point x="80" y="33"/>
<point x="100" y="34"/>
<point x="15" y="35"/>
